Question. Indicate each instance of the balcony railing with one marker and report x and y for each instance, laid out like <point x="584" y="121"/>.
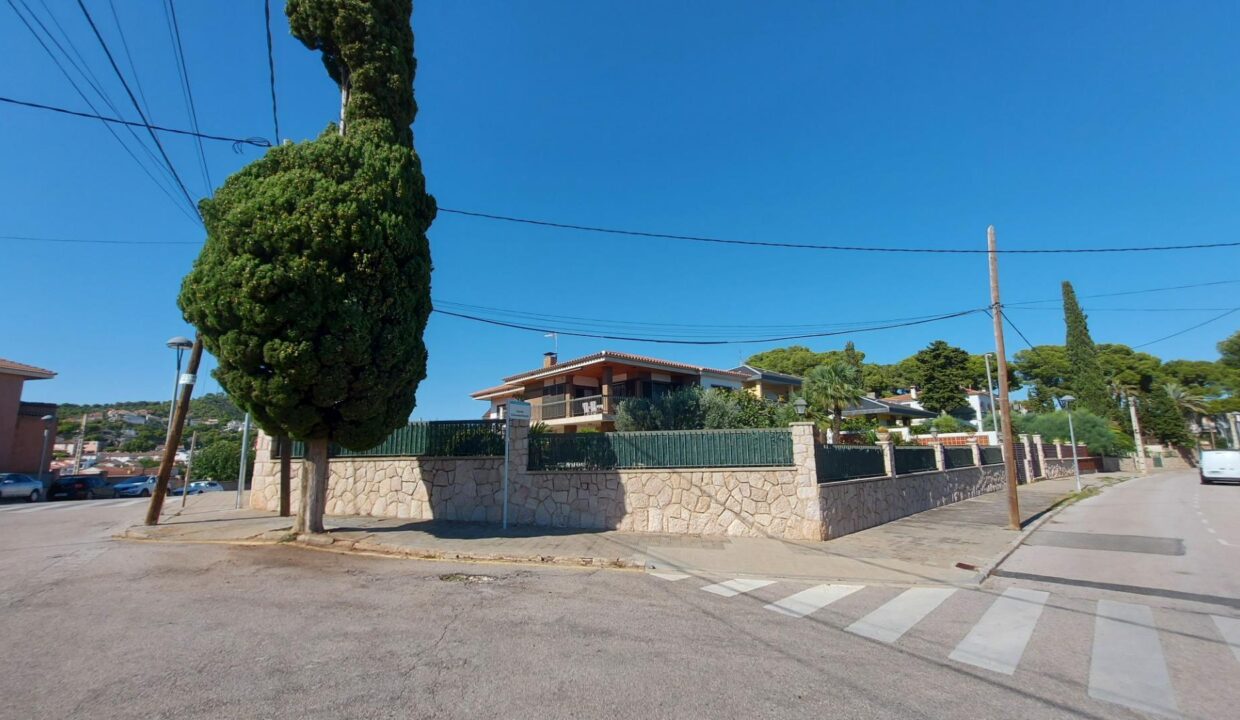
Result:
<point x="558" y="407"/>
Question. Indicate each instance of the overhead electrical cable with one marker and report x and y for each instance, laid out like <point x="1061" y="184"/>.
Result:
<point x="842" y="248"/>
<point x="1188" y="329"/>
<point x="1128" y="292"/>
<point x="98" y="242"/>
<point x="178" y="52"/>
<point x="255" y="141"/>
<point x="133" y="69"/>
<point x="138" y="108"/>
<point x="73" y="83"/>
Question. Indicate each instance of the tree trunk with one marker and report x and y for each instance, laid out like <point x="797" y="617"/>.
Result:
<point x="313" y="488"/>
<point x="344" y="97"/>
<point x="286" y="474"/>
<point x="836" y="422"/>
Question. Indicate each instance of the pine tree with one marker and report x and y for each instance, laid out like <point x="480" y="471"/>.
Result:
<point x="313" y="289"/>
<point x="1085" y="378"/>
<point x="941" y="373"/>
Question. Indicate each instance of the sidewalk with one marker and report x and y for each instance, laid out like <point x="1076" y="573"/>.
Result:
<point x="923" y="548"/>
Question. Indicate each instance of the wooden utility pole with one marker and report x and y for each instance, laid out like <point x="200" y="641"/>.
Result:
<point x="176" y="425"/>
<point x="1005" y="404"/>
<point x="286" y="474"/>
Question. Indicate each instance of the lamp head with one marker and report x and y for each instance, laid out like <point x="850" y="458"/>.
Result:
<point x="800" y="405"/>
<point x="180" y="343"/>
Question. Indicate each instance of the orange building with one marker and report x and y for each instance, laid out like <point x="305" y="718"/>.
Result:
<point x="21" y="425"/>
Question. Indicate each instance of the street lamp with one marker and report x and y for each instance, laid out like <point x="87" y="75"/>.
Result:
<point x="1076" y="464"/>
<point x="799" y="405"/>
<point x="47" y="426"/>
<point x="180" y="344"/>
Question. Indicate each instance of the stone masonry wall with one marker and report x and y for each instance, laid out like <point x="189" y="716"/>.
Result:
<point x="754" y="502"/>
<point x="853" y="505"/>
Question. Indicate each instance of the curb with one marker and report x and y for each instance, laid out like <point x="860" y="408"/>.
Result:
<point x="366" y="547"/>
<point x="989" y="568"/>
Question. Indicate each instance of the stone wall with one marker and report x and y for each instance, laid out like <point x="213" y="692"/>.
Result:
<point x="852" y="505"/>
<point x="754" y="502"/>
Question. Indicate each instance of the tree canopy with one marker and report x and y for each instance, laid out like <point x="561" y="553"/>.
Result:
<point x="1085" y="378"/>
<point x="941" y="374"/>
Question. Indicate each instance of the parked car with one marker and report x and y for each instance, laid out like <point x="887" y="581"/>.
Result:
<point x="141" y="486"/>
<point x="16" y="485"/>
<point x="80" y="487"/>
<point x="203" y="486"/>
<point x="1219" y="465"/>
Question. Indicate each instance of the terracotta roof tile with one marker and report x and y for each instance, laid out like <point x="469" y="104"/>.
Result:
<point x="613" y="355"/>
<point x="30" y="371"/>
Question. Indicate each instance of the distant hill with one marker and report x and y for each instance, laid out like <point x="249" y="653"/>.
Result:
<point x="212" y="406"/>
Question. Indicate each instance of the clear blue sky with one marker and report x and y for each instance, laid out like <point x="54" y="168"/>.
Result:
<point x="817" y="122"/>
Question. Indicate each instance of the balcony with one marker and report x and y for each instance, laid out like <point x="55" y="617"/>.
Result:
<point x="558" y="409"/>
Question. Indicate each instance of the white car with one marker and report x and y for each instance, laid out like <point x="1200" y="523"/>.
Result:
<point x="1220" y="465"/>
<point x="202" y="486"/>
<point x="16" y="485"/>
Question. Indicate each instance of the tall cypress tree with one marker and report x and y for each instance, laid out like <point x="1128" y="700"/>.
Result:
<point x="313" y="288"/>
<point x="1085" y="378"/>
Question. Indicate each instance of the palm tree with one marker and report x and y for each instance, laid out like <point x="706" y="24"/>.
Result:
<point x="831" y="388"/>
<point x="1190" y="405"/>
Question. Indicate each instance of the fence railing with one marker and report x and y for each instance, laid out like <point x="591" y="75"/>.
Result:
<point x="667" y="449"/>
<point x="447" y="438"/>
<point x="957" y="457"/>
<point x="914" y="459"/>
<point x="992" y="455"/>
<point x="845" y="462"/>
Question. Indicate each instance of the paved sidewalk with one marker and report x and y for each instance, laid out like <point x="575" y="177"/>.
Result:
<point x="923" y="548"/>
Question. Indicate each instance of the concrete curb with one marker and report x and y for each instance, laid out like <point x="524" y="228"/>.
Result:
<point x="989" y="568"/>
<point x="368" y="547"/>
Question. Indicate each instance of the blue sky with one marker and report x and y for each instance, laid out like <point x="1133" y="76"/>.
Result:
<point x="896" y="123"/>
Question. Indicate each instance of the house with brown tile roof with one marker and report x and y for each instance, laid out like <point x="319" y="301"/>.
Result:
<point x="22" y="437"/>
<point x="584" y="392"/>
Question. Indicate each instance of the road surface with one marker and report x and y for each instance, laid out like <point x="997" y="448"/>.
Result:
<point x="97" y="628"/>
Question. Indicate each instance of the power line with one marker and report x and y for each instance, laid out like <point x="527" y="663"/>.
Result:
<point x="178" y="52"/>
<point x="255" y="141"/>
<point x="73" y="83"/>
<point x="97" y="242"/>
<point x="133" y="69"/>
<point x="1129" y="292"/>
<point x="1188" y="329"/>
<point x="271" y="71"/>
<point x="844" y="248"/>
<point x="1094" y="309"/>
<point x="669" y="341"/>
<point x="134" y="100"/>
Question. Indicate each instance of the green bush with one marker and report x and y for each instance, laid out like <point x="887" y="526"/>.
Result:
<point x="1100" y="435"/>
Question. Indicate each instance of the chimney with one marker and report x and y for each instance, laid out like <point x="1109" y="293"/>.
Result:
<point x="550" y="359"/>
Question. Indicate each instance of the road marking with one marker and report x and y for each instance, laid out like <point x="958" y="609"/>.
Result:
<point x="900" y="614"/>
<point x="736" y="587"/>
<point x="1224" y="542"/>
<point x="1127" y="665"/>
<point x="998" y="640"/>
<point x="1229" y="628"/>
<point x="668" y="575"/>
<point x="36" y="508"/>
<point x="805" y="602"/>
<point x="1211" y="531"/>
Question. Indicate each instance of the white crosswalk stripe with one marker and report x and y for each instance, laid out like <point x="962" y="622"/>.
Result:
<point x="998" y="640"/>
<point x="816" y="598"/>
<point x="900" y="614"/>
<point x="1229" y="628"/>
<point x="672" y="576"/>
<point x="732" y="588"/>
<point x="1127" y="665"/>
<point x="36" y="508"/>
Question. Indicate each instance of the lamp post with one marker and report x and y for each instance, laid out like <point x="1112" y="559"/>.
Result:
<point x="990" y="395"/>
<point x="1064" y="402"/>
<point x="180" y="344"/>
<point x="800" y="405"/>
<point x="47" y="427"/>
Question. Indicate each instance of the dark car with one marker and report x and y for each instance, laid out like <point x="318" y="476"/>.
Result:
<point x="80" y="487"/>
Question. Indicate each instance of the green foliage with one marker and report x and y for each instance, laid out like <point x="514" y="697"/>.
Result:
<point x="138" y="445"/>
<point x="1161" y="419"/>
<point x="1085" y="378"/>
<point x="693" y="408"/>
<point x="221" y="460"/>
<point x="723" y="409"/>
<point x="832" y="388"/>
<point x="1229" y="350"/>
<point x="1125" y="368"/>
<point x="215" y="406"/>
<point x="1046" y="368"/>
<point x="1096" y="432"/>
<point x="941" y="374"/>
<point x="799" y="360"/>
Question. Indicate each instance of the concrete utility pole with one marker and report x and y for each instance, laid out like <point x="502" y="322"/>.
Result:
<point x="990" y="395"/>
<point x="245" y="458"/>
<point x="189" y="467"/>
<point x="1005" y="404"/>
<point x="1136" y="433"/>
<point x="177" y="422"/>
<point x="77" y="447"/>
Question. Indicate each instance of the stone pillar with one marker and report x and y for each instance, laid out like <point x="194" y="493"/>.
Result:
<point x="1037" y="441"/>
<point x="1028" y="461"/>
<point x="807" y="512"/>
<point x="1059" y="450"/>
<point x="940" y="458"/>
<point x="889" y="456"/>
<point x="977" y="450"/>
<point x="518" y="463"/>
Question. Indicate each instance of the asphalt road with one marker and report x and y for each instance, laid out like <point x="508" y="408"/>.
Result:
<point x="96" y="628"/>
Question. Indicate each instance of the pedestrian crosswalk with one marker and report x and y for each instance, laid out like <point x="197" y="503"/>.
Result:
<point x="44" y="507"/>
<point x="994" y="631"/>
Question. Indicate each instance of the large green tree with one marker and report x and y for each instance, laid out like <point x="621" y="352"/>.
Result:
<point x="832" y="388"/>
<point x="313" y="288"/>
<point x="1229" y="350"/>
<point x="941" y="374"/>
<point x="1085" y="377"/>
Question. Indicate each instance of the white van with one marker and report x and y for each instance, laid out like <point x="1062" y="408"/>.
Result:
<point x="1220" y="465"/>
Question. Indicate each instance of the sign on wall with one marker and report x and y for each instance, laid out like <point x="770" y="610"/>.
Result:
<point x="518" y="410"/>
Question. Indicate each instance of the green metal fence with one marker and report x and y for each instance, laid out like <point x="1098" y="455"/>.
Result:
<point x="914" y="459"/>
<point x="670" y="449"/>
<point x="992" y="455"/>
<point x="446" y="438"/>
<point x="957" y="457"/>
<point x="844" y="462"/>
